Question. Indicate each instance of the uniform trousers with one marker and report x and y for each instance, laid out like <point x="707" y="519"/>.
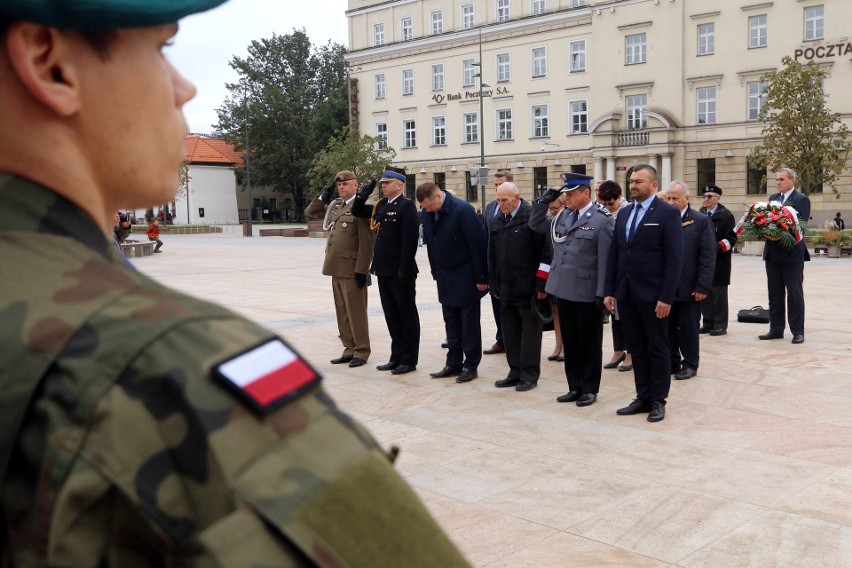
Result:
<point x="522" y="334"/>
<point x="464" y="336"/>
<point x="684" y="319"/>
<point x="646" y="336"/>
<point x="714" y="308"/>
<point x="402" y="318"/>
<point x="785" y="279"/>
<point x="350" y="305"/>
<point x="582" y="339"/>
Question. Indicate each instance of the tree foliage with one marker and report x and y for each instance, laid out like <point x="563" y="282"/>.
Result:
<point x="294" y="96"/>
<point x="348" y="152"/>
<point x="800" y="131"/>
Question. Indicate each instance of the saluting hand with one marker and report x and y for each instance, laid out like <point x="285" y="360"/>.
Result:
<point x="366" y="190"/>
<point x="549" y="196"/>
<point x="325" y="196"/>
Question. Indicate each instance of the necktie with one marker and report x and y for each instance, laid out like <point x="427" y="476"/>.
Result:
<point x="636" y="211"/>
<point x="574" y="216"/>
<point x="709" y="213"/>
<point x="507" y="218"/>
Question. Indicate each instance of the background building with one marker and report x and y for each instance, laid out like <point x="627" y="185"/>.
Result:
<point x="593" y="87"/>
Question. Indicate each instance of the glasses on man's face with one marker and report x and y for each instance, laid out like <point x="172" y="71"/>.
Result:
<point x="707" y="196"/>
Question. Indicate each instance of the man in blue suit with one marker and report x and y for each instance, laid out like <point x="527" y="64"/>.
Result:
<point x="455" y="241"/>
<point x="785" y="268"/>
<point x="643" y="271"/>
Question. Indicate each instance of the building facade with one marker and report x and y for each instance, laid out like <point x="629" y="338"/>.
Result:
<point x="585" y="86"/>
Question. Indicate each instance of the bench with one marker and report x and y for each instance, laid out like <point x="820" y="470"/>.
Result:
<point x="271" y="232"/>
<point x="820" y="249"/>
<point x="846" y="251"/>
<point x="134" y="249"/>
<point x="283" y="232"/>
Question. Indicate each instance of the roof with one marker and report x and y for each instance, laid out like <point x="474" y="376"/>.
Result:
<point x="207" y="150"/>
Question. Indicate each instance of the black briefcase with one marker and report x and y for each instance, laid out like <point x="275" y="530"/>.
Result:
<point x="754" y="315"/>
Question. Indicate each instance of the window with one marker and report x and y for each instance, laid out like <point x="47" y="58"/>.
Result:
<point x="814" y="23"/>
<point x="504" y="124"/>
<point x="380" y="86"/>
<point x="706" y="39"/>
<point x="635" y="49"/>
<point x="539" y="62"/>
<point x="439" y="131"/>
<point x="706" y="105"/>
<point x="578" y="3"/>
<point x="636" y="107"/>
<point x="406" y="28"/>
<point x="756" y="98"/>
<point x="539" y="181"/>
<point x="757" y="31"/>
<point x="540" y="126"/>
<point x="537" y="7"/>
<point x="437" y="22"/>
<point x="410" y="185"/>
<point x="579" y="113"/>
<point x="468" y="73"/>
<point x="440" y="179"/>
<point x="378" y="34"/>
<point x="381" y="135"/>
<point x="467" y="16"/>
<point x="504" y="67"/>
<point x="706" y="172"/>
<point x="471" y="127"/>
<point x="577" y="51"/>
<point x="755" y="178"/>
<point x="470" y="189"/>
<point x="407" y="82"/>
<point x="438" y="77"/>
<point x="502" y="10"/>
<point x="409" y="134"/>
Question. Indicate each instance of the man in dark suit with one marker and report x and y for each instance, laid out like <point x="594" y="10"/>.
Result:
<point x="785" y="268"/>
<point x="642" y="273"/>
<point x="457" y="255"/>
<point x="696" y="279"/>
<point x="395" y="220"/>
<point x="714" y="308"/>
<point x="492" y="210"/>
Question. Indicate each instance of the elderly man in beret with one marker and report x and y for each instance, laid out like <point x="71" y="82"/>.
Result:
<point x="140" y="426"/>
<point x="714" y="308"/>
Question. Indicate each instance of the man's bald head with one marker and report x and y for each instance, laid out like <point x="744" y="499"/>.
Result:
<point x="508" y="197"/>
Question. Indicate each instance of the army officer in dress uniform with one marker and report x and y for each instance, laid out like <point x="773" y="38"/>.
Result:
<point x="397" y="226"/>
<point x="348" y="253"/>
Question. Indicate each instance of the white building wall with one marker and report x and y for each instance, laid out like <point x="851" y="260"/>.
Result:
<point x="212" y="188"/>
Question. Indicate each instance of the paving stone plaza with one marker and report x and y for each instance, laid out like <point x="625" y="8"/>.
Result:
<point x="752" y="465"/>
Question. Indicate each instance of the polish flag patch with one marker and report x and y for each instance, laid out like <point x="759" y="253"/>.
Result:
<point x="543" y="271"/>
<point x="267" y="376"/>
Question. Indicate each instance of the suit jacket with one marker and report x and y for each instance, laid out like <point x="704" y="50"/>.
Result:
<point x="396" y="237"/>
<point x="649" y="265"/>
<point x="699" y="255"/>
<point x="515" y="253"/>
<point x="455" y="243"/>
<point x="578" y="269"/>
<point x="349" y="248"/>
<point x="723" y="225"/>
<point x="774" y="252"/>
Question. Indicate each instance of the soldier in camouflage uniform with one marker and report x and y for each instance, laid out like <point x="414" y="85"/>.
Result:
<point x="140" y="426"/>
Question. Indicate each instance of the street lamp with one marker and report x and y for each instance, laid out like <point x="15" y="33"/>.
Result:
<point x="483" y="171"/>
<point x="248" y="164"/>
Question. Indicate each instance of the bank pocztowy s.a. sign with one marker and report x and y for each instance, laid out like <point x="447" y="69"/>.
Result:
<point x="823" y="51"/>
<point x="467" y="95"/>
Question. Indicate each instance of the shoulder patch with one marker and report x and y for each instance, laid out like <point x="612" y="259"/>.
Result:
<point x="267" y="376"/>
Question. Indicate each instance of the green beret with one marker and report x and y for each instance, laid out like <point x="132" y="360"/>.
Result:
<point x="98" y="15"/>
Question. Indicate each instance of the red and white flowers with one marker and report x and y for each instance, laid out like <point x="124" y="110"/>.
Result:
<point x="771" y="221"/>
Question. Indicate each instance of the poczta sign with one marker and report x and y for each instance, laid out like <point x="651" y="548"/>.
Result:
<point x="467" y="95"/>
<point x="824" y="51"/>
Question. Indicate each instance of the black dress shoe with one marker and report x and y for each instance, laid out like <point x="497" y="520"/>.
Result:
<point x="704" y="329"/>
<point x="507" y="382"/>
<point x="495" y="349"/>
<point x="466" y="376"/>
<point x="402" y="369"/>
<point x="340" y="360"/>
<point x="389" y="366"/>
<point x="445" y="345"/>
<point x="635" y="407"/>
<point x="526" y="386"/>
<point x="686" y="373"/>
<point x="718" y="332"/>
<point x="357" y="362"/>
<point x="771" y="335"/>
<point x="658" y="412"/>
<point x="614" y="364"/>
<point x="625" y="368"/>
<point x="445" y="372"/>
<point x="569" y="396"/>
<point x="587" y="399"/>
<point x="798" y="338"/>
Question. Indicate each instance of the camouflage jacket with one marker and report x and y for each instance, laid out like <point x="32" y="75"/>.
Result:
<point x="121" y="449"/>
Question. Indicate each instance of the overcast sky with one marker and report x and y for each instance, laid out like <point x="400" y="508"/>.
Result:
<point x="206" y="43"/>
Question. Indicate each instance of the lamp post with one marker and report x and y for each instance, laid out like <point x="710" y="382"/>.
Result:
<point x="248" y="164"/>
<point x="483" y="171"/>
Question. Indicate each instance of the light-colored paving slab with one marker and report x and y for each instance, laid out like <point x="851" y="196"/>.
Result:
<point x="751" y="467"/>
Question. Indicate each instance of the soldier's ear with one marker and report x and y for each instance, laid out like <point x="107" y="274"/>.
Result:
<point x="41" y="59"/>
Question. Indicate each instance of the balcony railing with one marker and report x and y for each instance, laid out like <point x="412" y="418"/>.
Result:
<point x="633" y="138"/>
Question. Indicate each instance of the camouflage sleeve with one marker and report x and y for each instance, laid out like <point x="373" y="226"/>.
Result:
<point x="179" y="466"/>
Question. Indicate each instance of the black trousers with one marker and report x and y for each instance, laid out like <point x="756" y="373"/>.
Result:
<point x="647" y="340"/>
<point x="402" y="319"/>
<point x="714" y="308"/>
<point x="683" y="333"/>
<point x="522" y="332"/>
<point x="464" y="336"/>
<point x="582" y="339"/>
<point x="496" y="307"/>
<point x="785" y="279"/>
<point x="617" y="335"/>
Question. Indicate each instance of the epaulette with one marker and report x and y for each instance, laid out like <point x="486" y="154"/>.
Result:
<point x="603" y="209"/>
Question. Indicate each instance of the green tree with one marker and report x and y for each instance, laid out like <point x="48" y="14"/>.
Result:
<point x="800" y="132"/>
<point x="292" y="97"/>
<point x="347" y="151"/>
